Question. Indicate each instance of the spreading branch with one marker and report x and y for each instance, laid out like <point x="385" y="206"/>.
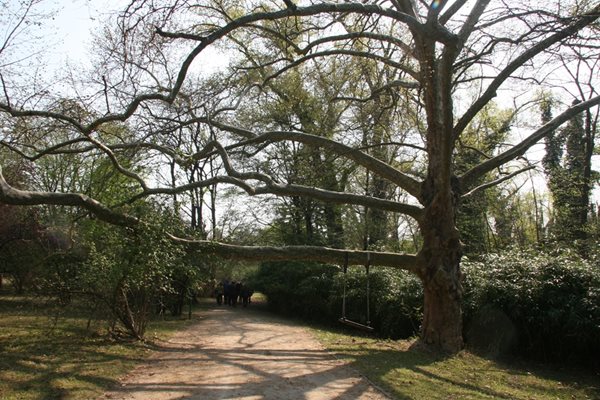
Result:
<point x="411" y="185"/>
<point x="302" y="253"/>
<point x="469" y="177"/>
<point x="13" y="196"/>
<point x="270" y="186"/>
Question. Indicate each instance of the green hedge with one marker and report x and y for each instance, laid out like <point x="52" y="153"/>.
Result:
<point x="540" y="305"/>
<point x="543" y="306"/>
<point x="314" y="292"/>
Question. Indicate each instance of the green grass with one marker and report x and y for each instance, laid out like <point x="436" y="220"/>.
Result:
<point x="45" y="357"/>
<point x="407" y="371"/>
<point x="50" y="353"/>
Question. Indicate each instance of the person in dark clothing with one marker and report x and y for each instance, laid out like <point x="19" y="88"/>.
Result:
<point x="227" y="292"/>
<point x="219" y="293"/>
<point x="245" y="295"/>
<point x="235" y="292"/>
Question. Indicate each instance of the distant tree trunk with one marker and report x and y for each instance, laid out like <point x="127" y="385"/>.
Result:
<point x="335" y="229"/>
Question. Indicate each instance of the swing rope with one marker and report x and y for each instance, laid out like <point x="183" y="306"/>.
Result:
<point x="344" y="320"/>
<point x="367" y="267"/>
<point x="345" y="279"/>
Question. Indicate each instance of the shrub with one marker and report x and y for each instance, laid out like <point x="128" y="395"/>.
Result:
<point x="400" y="310"/>
<point x="542" y="305"/>
<point x="294" y="288"/>
<point x="315" y="292"/>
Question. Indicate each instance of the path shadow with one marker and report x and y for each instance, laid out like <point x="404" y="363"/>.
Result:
<point x="260" y="361"/>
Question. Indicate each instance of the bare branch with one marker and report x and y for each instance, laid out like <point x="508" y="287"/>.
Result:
<point x="518" y="150"/>
<point x="354" y="53"/>
<point x="453" y="9"/>
<point x="302" y="253"/>
<point x="10" y="195"/>
<point x="498" y="181"/>
<point x="490" y="92"/>
<point x="290" y="4"/>
<point x="471" y="21"/>
<point x="357" y="35"/>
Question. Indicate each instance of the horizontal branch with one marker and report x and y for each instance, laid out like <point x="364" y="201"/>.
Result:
<point x="315" y="9"/>
<point x="330" y="196"/>
<point x="10" y="195"/>
<point x="344" y="52"/>
<point x="327" y="255"/>
<point x="411" y="185"/>
<point x="270" y="187"/>
<point x="359" y="35"/>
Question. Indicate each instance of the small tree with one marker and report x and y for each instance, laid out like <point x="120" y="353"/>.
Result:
<point x="132" y="273"/>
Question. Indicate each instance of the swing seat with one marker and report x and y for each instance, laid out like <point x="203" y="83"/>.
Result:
<point x="353" y="324"/>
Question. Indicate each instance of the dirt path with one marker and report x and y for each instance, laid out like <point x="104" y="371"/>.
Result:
<point x="258" y="357"/>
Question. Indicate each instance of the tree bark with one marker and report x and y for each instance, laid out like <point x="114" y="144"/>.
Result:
<point x="439" y="270"/>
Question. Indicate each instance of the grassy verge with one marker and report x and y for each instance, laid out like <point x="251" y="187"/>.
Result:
<point x="45" y="357"/>
<point x="409" y="372"/>
<point x="52" y="353"/>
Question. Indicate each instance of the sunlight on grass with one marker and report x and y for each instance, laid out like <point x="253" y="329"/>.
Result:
<point x="44" y="357"/>
<point x="407" y="371"/>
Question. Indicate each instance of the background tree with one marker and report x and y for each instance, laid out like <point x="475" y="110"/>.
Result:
<point x="480" y="142"/>
<point x="21" y="231"/>
<point x="569" y="151"/>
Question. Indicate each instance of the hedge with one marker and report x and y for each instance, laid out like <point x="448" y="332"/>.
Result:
<point x="540" y="305"/>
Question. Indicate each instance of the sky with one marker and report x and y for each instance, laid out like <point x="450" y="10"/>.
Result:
<point x="68" y="34"/>
<point x="67" y="37"/>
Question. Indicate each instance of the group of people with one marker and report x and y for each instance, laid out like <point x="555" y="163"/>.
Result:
<point x="231" y="293"/>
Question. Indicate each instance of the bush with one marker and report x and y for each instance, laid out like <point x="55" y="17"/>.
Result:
<point x="544" y="306"/>
<point x="315" y="292"/>
<point x="297" y="289"/>
<point x="400" y="310"/>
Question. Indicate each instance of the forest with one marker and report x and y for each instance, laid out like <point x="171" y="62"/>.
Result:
<point x="447" y="145"/>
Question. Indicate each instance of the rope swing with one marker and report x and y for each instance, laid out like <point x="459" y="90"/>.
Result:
<point x="346" y="321"/>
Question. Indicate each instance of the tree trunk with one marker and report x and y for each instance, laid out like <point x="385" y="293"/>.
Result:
<point x="439" y="261"/>
<point x="442" y="313"/>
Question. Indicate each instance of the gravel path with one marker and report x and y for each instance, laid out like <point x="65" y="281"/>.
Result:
<point x="236" y="353"/>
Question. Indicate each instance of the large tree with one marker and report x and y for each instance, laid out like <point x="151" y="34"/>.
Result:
<point x="569" y="150"/>
<point x="446" y="60"/>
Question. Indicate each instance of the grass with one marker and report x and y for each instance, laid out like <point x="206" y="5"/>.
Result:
<point x="52" y="353"/>
<point x="45" y="357"/>
<point x="407" y="371"/>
